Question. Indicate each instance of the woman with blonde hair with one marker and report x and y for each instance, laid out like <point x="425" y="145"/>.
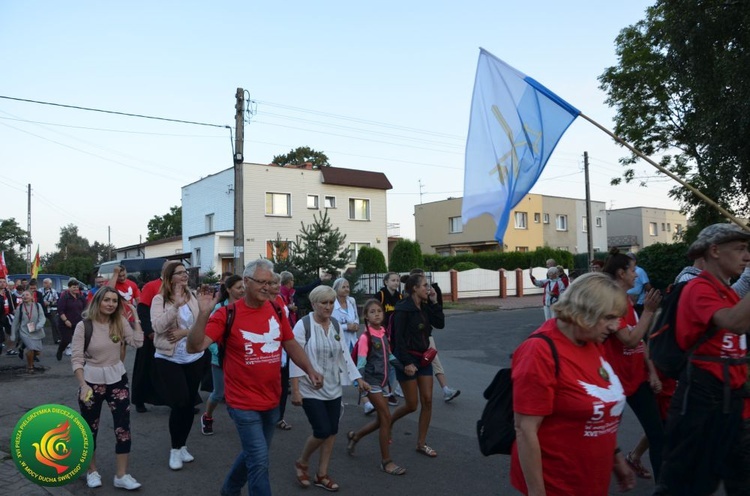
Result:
<point x="178" y="373"/>
<point x="566" y="421"/>
<point x="322" y="338"/>
<point x="102" y="376"/>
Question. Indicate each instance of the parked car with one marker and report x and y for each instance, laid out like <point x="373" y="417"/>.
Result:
<point x="142" y="269"/>
<point x="59" y="281"/>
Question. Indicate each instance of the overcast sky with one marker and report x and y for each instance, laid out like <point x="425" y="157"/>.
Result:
<point x="382" y="86"/>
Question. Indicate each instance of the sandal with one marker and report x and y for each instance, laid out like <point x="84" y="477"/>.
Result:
<point x="326" y="483"/>
<point x="638" y="467"/>
<point x="281" y="424"/>
<point x="426" y="451"/>
<point x="303" y="479"/>
<point x="30" y="370"/>
<point x="396" y="470"/>
<point x="352" y="442"/>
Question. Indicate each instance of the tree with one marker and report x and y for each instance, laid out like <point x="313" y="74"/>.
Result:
<point x="370" y="261"/>
<point x="301" y="155"/>
<point x="406" y="255"/>
<point x="165" y="226"/>
<point x="12" y="240"/>
<point x="71" y="243"/>
<point x="680" y="88"/>
<point x="319" y="247"/>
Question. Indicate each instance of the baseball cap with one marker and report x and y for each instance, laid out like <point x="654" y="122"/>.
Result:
<point x="716" y="234"/>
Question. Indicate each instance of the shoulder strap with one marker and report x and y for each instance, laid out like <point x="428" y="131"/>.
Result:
<point x="552" y="347"/>
<point x="277" y="309"/>
<point x="230" y="309"/>
<point x="306" y="323"/>
<point x="336" y="326"/>
<point x="88" y="330"/>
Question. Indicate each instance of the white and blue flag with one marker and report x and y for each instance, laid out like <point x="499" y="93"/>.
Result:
<point x="515" y="125"/>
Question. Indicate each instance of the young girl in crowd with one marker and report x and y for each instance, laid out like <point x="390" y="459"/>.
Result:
<point x="373" y="358"/>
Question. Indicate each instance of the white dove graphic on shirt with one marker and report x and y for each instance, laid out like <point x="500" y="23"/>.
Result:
<point x="614" y="393"/>
<point x="269" y="339"/>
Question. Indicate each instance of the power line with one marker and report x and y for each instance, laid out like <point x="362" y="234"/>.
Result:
<point x="126" y="114"/>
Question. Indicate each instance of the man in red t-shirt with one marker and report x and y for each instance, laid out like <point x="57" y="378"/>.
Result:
<point x="252" y="370"/>
<point x="706" y="411"/>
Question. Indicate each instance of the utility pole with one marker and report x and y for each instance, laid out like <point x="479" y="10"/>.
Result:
<point x="109" y="243"/>
<point x="239" y="208"/>
<point x="28" y="229"/>
<point x="420" y="191"/>
<point x="589" y="232"/>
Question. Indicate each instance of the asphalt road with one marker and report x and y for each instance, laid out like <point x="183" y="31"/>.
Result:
<point x="472" y="347"/>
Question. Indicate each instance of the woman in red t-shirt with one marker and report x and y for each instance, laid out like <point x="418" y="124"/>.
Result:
<point x="626" y="351"/>
<point x="566" y="416"/>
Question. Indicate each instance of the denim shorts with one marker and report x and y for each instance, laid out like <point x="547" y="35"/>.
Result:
<point x="422" y="371"/>
<point x="323" y="416"/>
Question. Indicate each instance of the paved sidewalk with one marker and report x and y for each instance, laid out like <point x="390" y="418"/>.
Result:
<point x="13" y="482"/>
<point x="509" y="303"/>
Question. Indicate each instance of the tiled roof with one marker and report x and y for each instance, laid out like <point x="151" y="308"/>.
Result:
<point x="357" y="178"/>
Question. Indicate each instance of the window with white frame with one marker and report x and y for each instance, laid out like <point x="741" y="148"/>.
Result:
<point x="359" y="209"/>
<point x="652" y="228"/>
<point x="584" y="224"/>
<point x="209" y="222"/>
<point x="279" y="204"/>
<point x="678" y="228"/>
<point x="537" y="218"/>
<point x="523" y="249"/>
<point x="546" y="218"/>
<point x="598" y="222"/>
<point x="329" y="202"/>
<point x="561" y="222"/>
<point x="197" y="258"/>
<point x="312" y="201"/>
<point x="455" y="225"/>
<point x="522" y="219"/>
<point x="663" y="227"/>
<point x="669" y="227"/>
<point x="354" y="249"/>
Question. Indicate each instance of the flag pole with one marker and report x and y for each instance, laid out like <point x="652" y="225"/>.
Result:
<point x="666" y="172"/>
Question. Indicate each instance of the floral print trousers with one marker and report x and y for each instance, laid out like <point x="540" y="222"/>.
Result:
<point x="117" y="396"/>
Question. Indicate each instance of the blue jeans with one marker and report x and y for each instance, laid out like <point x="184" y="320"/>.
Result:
<point x="255" y="430"/>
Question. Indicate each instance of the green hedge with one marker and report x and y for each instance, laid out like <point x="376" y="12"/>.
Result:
<point x="663" y="261"/>
<point x="501" y="260"/>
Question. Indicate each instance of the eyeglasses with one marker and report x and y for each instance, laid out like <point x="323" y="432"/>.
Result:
<point x="262" y="283"/>
<point x="179" y="272"/>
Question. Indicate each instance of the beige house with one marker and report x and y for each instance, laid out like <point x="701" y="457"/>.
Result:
<point x="638" y="227"/>
<point x="277" y="200"/>
<point x="167" y="248"/>
<point x="537" y="221"/>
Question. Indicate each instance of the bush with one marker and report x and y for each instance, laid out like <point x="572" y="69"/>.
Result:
<point x="371" y="261"/>
<point x="462" y="266"/>
<point x="500" y="260"/>
<point x="663" y="261"/>
<point x="406" y="255"/>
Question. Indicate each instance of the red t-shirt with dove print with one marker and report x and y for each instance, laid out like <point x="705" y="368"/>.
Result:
<point x="581" y="407"/>
<point x="252" y="361"/>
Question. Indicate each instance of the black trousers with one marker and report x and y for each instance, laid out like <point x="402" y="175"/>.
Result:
<point x="698" y="443"/>
<point x="178" y="384"/>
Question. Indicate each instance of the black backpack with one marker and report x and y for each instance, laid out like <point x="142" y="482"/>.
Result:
<point x="496" y="429"/>
<point x="664" y="351"/>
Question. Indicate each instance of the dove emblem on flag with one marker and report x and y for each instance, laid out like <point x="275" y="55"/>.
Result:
<point x="270" y="339"/>
<point x="612" y="394"/>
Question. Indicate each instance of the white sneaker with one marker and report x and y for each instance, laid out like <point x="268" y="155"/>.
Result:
<point x="397" y="391"/>
<point x="93" y="479"/>
<point x="175" y="459"/>
<point x="369" y="408"/>
<point x="449" y="394"/>
<point x="127" y="482"/>
<point x="69" y="352"/>
<point x="185" y="456"/>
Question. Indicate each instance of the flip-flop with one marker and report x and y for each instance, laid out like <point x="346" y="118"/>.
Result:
<point x="352" y="443"/>
<point x="426" y="451"/>
<point x="396" y="470"/>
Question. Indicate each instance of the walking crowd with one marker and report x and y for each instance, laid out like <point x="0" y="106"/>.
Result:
<point x="252" y="346"/>
<point x="570" y="388"/>
<point x="248" y="340"/>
